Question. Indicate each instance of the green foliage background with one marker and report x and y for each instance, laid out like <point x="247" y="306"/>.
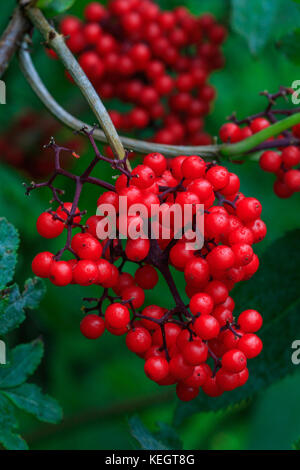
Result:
<point x="100" y="384"/>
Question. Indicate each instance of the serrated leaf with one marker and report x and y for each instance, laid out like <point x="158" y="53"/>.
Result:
<point x="24" y="360"/>
<point x="274" y="291"/>
<point x="12" y="304"/>
<point x="11" y="310"/>
<point x="8" y="424"/>
<point x="289" y="44"/>
<point x="34" y="290"/>
<point x="9" y="242"/>
<point x="254" y="22"/>
<point x="30" y="398"/>
<point x="144" y="437"/>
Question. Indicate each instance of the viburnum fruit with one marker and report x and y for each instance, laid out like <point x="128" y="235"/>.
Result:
<point x="179" y="342"/>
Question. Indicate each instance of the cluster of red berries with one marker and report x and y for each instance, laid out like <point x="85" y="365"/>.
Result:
<point x="157" y="61"/>
<point x="20" y="144"/>
<point x="284" y="164"/>
<point x="195" y="345"/>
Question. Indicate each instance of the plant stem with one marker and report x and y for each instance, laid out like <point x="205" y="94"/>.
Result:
<point x="57" y="43"/>
<point x="11" y="38"/>
<point x="239" y="149"/>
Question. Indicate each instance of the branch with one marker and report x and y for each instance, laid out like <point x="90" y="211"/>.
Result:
<point x="57" y="43"/>
<point x="11" y="38"/>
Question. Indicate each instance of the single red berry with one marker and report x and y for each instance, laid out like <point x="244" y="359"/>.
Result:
<point x="230" y="132"/>
<point x="270" y="161"/>
<point x="201" y="303"/>
<point x="234" y="360"/>
<point x="250" y="344"/>
<point x="292" y="180"/>
<point x="49" y="227"/>
<point x="92" y="326"/>
<point x="138" y="340"/>
<point x="198" y="377"/>
<point x="248" y="209"/>
<point x="221" y="258"/>
<point x="218" y="176"/>
<point x="211" y="387"/>
<point x="117" y="315"/>
<point x="258" y="229"/>
<point x="179" y="368"/>
<point x="226" y="380"/>
<point x="60" y="273"/>
<point x="196" y="272"/>
<point x="86" y="247"/>
<point x="146" y="277"/>
<point x="85" y="273"/>
<point x="206" y="327"/>
<point x="250" y="321"/>
<point x="137" y="250"/>
<point x="41" y="264"/>
<point x="134" y="295"/>
<point x="193" y="167"/>
<point x="195" y="352"/>
<point x="156" y="368"/>
<point x="243" y="253"/>
<point x="258" y="124"/>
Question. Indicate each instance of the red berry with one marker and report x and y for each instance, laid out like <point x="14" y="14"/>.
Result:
<point x="156" y="368"/>
<point x="92" y="326"/>
<point x="60" y="273"/>
<point x="135" y="295"/>
<point x="138" y="340"/>
<point x="201" y="303"/>
<point x="292" y="180"/>
<point x="206" y="327"/>
<point x="85" y="273"/>
<point x="195" y="352"/>
<point x="41" y="264"/>
<point x="250" y="321"/>
<point x="248" y="209"/>
<point x="146" y="277"/>
<point x="270" y="161"/>
<point x="186" y="393"/>
<point x="49" y="227"/>
<point x="251" y="345"/>
<point x="117" y="315"/>
<point x="234" y="360"/>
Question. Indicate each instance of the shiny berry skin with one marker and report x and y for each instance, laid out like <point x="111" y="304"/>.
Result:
<point x="195" y="352"/>
<point x="138" y="340"/>
<point x="117" y="315"/>
<point x="171" y="333"/>
<point x="198" y="377"/>
<point x="41" y="264"/>
<point x="135" y="295"/>
<point x="137" y="250"/>
<point x="218" y="176"/>
<point x="250" y="345"/>
<point x="143" y="176"/>
<point x="248" y="209"/>
<point x="218" y="291"/>
<point x="152" y="311"/>
<point x="146" y="277"/>
<point x="270" y="161"/>
<point x="250" y="321"/>
<point x="157" y="162"/>
<point x="229" y="132"/>
<point x="206" y="327"/>
<point x="291" y="156"/>
<point x="60" y="273"/>
<point x="282" y="190"/>
<point x="92" y="326"/>
<point x="85" y="273"/>
<point x="292" y="180"/>
<point x="234" y="361"/>
<point x="193" y="167"/>
<point x="258" y="229"/>
<point x="49" y="227"/>
<point x="156" y="368"/>
<point x="258" y="124"/>
<point x="221" y="258"/>
<point x="186" y="393"/>
<point x="243" y="253"/>
<point x="201" y="303"/>
<point x="196" y="272"/>
<point x="87" y="247"/>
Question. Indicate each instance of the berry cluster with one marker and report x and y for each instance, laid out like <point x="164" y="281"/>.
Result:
<point x="157" y="62"/>
<point x="282" y="156"/>
<point x="196" y="343"/>
<point x="21" y="142"/>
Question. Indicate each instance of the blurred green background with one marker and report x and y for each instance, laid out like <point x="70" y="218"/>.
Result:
<point x="100" y="383"/>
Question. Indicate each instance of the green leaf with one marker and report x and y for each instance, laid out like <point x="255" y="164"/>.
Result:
<point x="34" y="291"/>
<point x="8" y="424"/>
<point x="13" y="303"/>
<point x="11" y="310"/>
<point x="274" y="291"/>
<point x="146" y="440"/>
<point x="24" y="360"/>
<point x="254" y="21"/>
<point x="9" y="242"/>
<point x="54" y="7"/>
<point x="30" y="398"/>
<point x="289" y="44"/>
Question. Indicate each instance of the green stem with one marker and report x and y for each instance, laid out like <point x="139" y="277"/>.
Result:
<point x="240" y="148"/>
